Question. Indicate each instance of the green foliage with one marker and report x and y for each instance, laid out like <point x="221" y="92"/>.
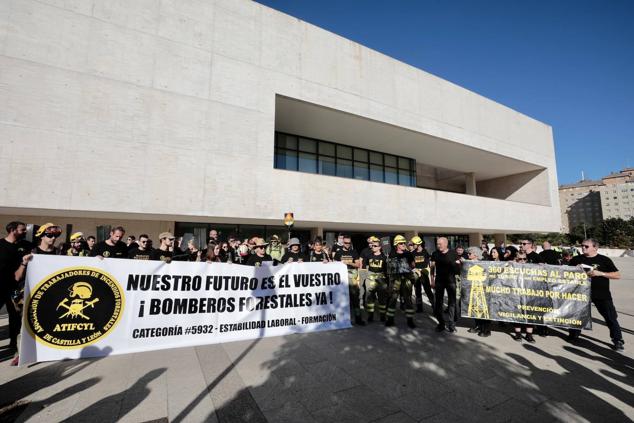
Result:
<point x="612" y="232"/>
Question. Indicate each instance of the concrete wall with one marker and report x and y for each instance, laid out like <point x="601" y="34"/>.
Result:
<point x="147" y="106"/>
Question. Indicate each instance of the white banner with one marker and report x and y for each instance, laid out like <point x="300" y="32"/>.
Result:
<point x="86" y="307"/>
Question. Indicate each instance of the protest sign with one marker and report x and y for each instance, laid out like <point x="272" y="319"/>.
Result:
<point x="537" y="294"/>
<point x="85" y="307"/>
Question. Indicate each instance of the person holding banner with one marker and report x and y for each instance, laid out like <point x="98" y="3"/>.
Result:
<point x="293" y="255"/>
<point x="318" y="254"/>
<point x="350" y="258"/>
<point x="47" y="234"/>
<point x="444" y="267"/>
<point x="259" y="253"/>
<point x="12" y="267"/>
<point x="376" y="264"/>
<point x="600" y="269"/>
<point x="165" y="250"/>
<point x="521" y="257"/>
<point x="113" y="247"/>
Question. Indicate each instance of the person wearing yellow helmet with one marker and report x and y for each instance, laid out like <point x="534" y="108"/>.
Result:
<point x="347" y="255"/>
<point x="77" y="246"/>
<point x="364" y="255"/>
<point x="376" y="264"/>
<point x="47" y="235"/>
<point x="400" y="265"/>
<point x="421" y="273"/>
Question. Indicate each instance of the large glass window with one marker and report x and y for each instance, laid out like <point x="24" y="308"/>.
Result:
<point x="326" y="158"/>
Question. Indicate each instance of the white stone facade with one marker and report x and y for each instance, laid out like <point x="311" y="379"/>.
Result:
<point x="165" y="110"/>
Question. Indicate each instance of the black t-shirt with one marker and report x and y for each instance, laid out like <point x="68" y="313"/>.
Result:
<point x="161" y="255"/>
<point x="403" y="262"/>
<point x="365" y="254"/>
<point x="550" y="257"/>
<point x="138" y="254"/>
<point x="298" y="256"/>
<point x="533" y="257"/>
<point x="255" y="260"/>
<point x="9" y="263"/>
<point x="193" y="256"/>
<point x="318" y="257"/>
<point x="336" y="248"/>
<point x="600" y="285"/>
<point x="446" y="266"/>
<point x="38" y="250"/>
<point x="376" y="263"/>
<point x="103" y="249"/>
<point x="347" y="257"/>
<point x="421" y="260"/>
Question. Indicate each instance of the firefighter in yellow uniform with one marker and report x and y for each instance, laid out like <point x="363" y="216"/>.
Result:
<point x="400" y="265"/>
<point x="77" y="246"/>
<point x="348" y="256"/>
<point x="421" y="274"/>
<point x="376" y="282"/>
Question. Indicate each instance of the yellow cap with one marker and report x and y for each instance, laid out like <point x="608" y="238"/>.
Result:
<point x="374" y="239"/>
<point x="417" y="240"/>
<point x="76" y="236"/>
<point x="47" y="227"/>
<point x="399" y="239"/>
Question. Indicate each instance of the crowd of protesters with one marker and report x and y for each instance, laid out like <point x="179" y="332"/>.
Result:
<point x="380" y="276"/>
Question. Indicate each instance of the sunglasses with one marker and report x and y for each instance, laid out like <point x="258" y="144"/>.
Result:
<point x="585" y="246"/>
<point x="143" y="242"/>
<point x="375" y="246"/>
<point x="346" y="243"/>
<point x="54" y="235"/>
<point x="525" y="243"/>
<point x="258" y="248"/>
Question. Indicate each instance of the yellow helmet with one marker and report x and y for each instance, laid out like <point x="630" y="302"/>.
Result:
<point x="374" y="239"/>
<point x="417" y="240"/>
<point x="82" y="290"/>
<point x="399" y="239"/>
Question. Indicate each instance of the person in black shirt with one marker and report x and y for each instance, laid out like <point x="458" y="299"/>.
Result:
<point x="293" y="254"/>
<point x="600" y="269"/>
<point x="338" y="245"/>
<point x="550" y="256"/>
<point x="527" y="246"/>
<point x="259" y="253"/>
<point x="77" y="246"/>
<point x="376" y="264"/>
<point x="445" y="265"/>
<point x="113" y="247"/>
<point x="318" y="254"/>
<point x="421" y="273"/>
<point x="47" y="234"/>
<point x="400" y="265"/>
<point x="90" y="241"/>
<point x="10" y="262"/>
<point x="141" y="252"/>
<point x="350" y="258"/>
<point x="165" y="251"/>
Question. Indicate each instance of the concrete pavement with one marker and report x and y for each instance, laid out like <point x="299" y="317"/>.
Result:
<point x="359" y="375"/>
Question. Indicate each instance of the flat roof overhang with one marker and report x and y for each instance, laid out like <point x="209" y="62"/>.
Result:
<point x="314" y="121"/>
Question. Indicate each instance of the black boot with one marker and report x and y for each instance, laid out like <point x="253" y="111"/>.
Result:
<point x="410" y="322"/>
<point x="382" y="317"/>
<point x="371" y="318"/>
<point x="359" y="321"/>
<point x="389" y="321"/>
<point x="419" y="308"/>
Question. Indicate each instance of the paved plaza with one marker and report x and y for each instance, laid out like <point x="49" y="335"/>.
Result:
<point x="369" y="374"/>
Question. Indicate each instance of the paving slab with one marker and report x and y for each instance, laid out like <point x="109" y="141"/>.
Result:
<point x="362" y="374"/>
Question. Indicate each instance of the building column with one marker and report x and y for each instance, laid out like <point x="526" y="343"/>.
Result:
<point x="499" y="238"/>
<point x="470" y="183"/>
<point x="316" y="232"/>
<point x="475" y="239"/>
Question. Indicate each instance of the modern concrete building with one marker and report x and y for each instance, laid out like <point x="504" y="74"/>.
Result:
<point x="590" y="201"/>
<point x="181" y="114"/>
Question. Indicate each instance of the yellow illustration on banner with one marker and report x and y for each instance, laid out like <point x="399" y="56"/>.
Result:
<point x="74" y="307"/>
<point x="478" y="307"/>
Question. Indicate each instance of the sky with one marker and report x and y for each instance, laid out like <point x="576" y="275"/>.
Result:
<point x="567" y="63"/>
